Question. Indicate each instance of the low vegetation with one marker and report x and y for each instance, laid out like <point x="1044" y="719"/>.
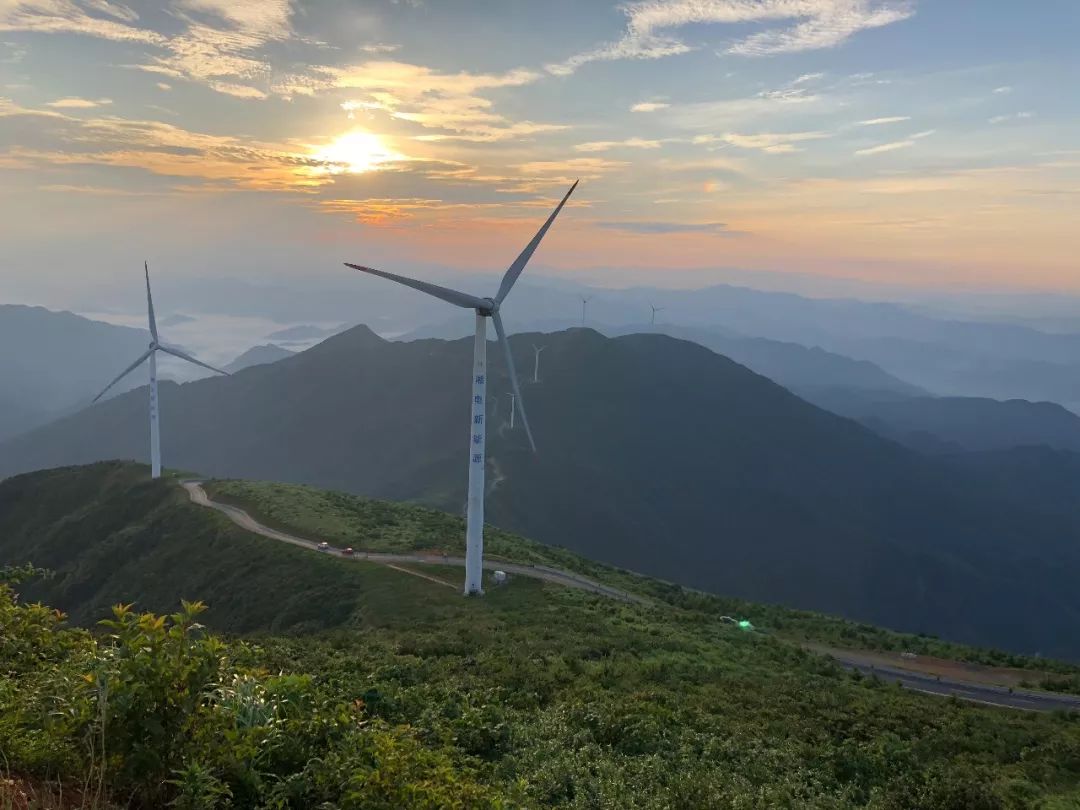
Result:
<point x="389" y="691"/>
<point x="372" y="525"/>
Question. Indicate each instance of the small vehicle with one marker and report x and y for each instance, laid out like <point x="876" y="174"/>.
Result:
<point x="323" y="547"/>
<point x="348" y="552"/>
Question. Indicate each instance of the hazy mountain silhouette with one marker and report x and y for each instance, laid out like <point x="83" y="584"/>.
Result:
<point x="654" y="453"/>
<point x="53" y="362"/>
<point x="804" y="370"/>
<point x="963" y="423"/>
<point x="258" y="356"/>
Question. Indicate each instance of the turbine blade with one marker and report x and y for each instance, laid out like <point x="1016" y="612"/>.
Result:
<point x="513" y="377"/>
<point x="150" y="303"/>
<point x="190" y="359"/>
<point x="443" y="293"/>
<point x="124" y="373"/>
<point x="519" y="263"/>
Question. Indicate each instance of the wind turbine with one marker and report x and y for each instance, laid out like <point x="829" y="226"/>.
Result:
<point x="485" y="308"/>
<point x="584" y="300"/>
<point x="536" y="362"/>
<point x="513" y="400"/>
<point x="151" y="353"/>
<point x="654" y="311"/>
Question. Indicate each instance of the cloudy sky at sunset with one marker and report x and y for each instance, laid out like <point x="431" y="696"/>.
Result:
<point x="924" y="142"/>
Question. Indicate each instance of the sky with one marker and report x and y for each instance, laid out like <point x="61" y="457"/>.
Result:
<point x="932" y="143"/>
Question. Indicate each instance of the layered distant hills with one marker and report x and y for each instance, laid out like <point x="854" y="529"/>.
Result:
<point x="258" y="356"/>
<point x="54" y="362"/>
<point x="656" y="454"/>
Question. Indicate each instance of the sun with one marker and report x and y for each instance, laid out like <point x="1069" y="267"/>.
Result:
<point x="355" y="152"/>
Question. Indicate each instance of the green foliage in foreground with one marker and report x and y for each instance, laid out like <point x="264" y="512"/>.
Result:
<point x="157" y="713"/>
<point x="353" y="677"/>
<point x="565" y="702"/>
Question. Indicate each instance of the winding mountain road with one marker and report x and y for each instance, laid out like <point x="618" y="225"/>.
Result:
<point x="569" y="579"/>
<point x="942" y="686"/>
<point x="910" y="679"/>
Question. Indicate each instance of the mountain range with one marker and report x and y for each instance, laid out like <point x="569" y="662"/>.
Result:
<point x="655" y="454"/>
<point x="54" y="362"/>
<point x="258" y="356"/>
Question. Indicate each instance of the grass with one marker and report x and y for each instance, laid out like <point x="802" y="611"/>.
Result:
<point x="550" y="696"/>
<point x="371" y="525"/>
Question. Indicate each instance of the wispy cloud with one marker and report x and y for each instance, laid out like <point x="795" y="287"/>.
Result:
<point x="629" y="143"/>
<point x="165" y="150"/>
<point x="739" y="112"/>
<point x="818" y="24"/>
<point x="1003" y="90"/>
<point x="885" y="147"/>
<point x="771" y="142"/>
<point x="95" y="18"/>
<point x="649" y="106"/>
<point x="78" y="103"/>
<point x="893" y="119"/>
<point x="659" y="227"/>
<point x="584" y="166"/>
<point x="436" y="100"/>
<point x="1017" y="116"/>
<point x="268" y="19"/>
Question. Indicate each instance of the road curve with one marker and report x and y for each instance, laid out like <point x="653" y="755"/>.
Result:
<point x="242" y="519"/>
<point x="965" y="690"/>
<point x="916" y="681"/>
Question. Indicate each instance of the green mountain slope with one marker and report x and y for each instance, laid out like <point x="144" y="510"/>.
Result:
<point x="535" y="696"/>
<point x="656" y="455"/>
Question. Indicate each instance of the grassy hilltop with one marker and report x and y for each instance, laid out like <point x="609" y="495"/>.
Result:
<point x="348" y="684"/>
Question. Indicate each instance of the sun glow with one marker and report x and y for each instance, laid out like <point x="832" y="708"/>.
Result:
<point x="355" y="152"/>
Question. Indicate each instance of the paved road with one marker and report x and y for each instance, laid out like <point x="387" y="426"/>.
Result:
<point x="242" y="519"/>
<point x="965" y="690"/>
<point x="920" y="682"/>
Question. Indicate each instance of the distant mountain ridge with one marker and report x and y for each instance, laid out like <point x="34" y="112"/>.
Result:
<point x="967" y="423"/>
<point x="654" y="453"/>
<point x="799" y="368"/>
<point x="54" y="362"/>
<point x="258" y="356"/>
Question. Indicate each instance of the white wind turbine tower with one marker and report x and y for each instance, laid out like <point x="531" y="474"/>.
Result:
<point x="585" y="299"/>
<point x="654" y="311"/>
<point x="536" y="362"/>
<point x="151" y="353"/>
<point x="485" y="308"/>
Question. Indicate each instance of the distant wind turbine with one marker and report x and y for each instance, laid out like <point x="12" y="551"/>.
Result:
<point x="151" y="353"/>
<point x="654" y="311"/>
<point x="513" y="400"/>
<point x="485" y="308"/>
<point x="536" y="362"/>
<point x="584" y="301"/>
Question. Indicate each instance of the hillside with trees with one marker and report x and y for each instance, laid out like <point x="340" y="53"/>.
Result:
<point x="340" y="683"/>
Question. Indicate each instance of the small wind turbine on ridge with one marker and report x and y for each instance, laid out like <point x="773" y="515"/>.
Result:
<point x="654" y="311"/>
<point x="536" y="362"/>
<point x="485" y="308"/>
<point x="151" y="354"/>
<point x="585" y="299"/>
